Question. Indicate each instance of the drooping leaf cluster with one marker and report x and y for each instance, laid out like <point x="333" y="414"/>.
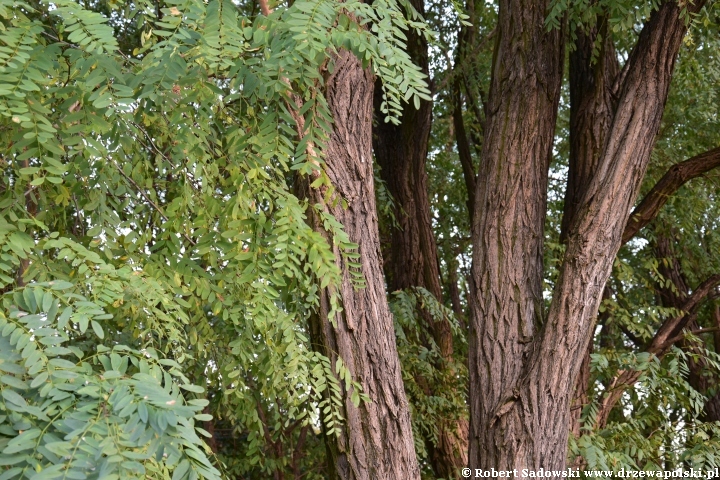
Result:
<point x="150" y="234"/>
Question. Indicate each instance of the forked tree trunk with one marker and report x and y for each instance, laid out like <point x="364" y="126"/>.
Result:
<point x="591" y="114"/>
<point x="376" y="440"/>
<point x="401" y="151"/>
<point x="523" y="365"/>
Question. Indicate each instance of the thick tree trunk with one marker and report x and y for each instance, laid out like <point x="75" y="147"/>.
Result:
<point x="506" y="304"/>
<point x="376" y="441"/>
<point x="523" y="368"/>
<point x="401" y="151"/>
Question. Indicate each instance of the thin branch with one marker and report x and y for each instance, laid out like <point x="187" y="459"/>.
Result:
<point x="660" y="344"/>
<point x="265" y="7"/>
<point x="665" y="337"/>
<point x="631" y="336"/>
<point x="463" y="146"/>
<point x="148" y="199"/>
<point x="699" y="331"/>
<point x="299" y="451"/>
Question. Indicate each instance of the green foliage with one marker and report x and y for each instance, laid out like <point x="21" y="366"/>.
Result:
<point x="435" y="386"/>
<point x="658" y="425"/>
<point x="75" y="408"/>
<point x="157" y="270"/>
<point x="147" y="166"/>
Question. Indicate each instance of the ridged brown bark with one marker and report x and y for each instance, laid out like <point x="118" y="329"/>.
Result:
<point x="401" y="151"/>
<point x="591" y="114"/>
<point x="594" y="235"/>
<point x="376" y="441"/>
<point x="642" y="215"/>
<point x="510" y="202"/>
<point x="524" y="367"/>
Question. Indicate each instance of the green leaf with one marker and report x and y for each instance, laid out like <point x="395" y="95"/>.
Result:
<point x="12" y="397"/>
<point x="97" y="329"/>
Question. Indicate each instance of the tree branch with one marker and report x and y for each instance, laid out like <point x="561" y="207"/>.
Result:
<point x="666" y="336"/>
<point x="676" y="177"/>
<point x="672" y="327"/>
<point x="463" y="146"/>
<point x="265" y="7"/>
<point x="631" y="336"/>
<point x="147" y="198"/>
<point x="693" y="332"/>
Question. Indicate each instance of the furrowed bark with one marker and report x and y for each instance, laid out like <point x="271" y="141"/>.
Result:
<point x="401" y="151"/>
<point x="591" y="115"/>
<point x="510" y="200"/>
<point x="376" y="441"/>
<point x="641" y="216"/>
<point x="581" y="397"/>
<point x="594" y="235"/>
<point x="523" y="421"/>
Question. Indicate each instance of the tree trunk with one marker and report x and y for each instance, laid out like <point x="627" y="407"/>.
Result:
<point x="401" y="151"/>
<point x="510" y="204"/>
<point x="523" y="368"/>
<point x="591" y="115"/>
<point x="376" y="440"/>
